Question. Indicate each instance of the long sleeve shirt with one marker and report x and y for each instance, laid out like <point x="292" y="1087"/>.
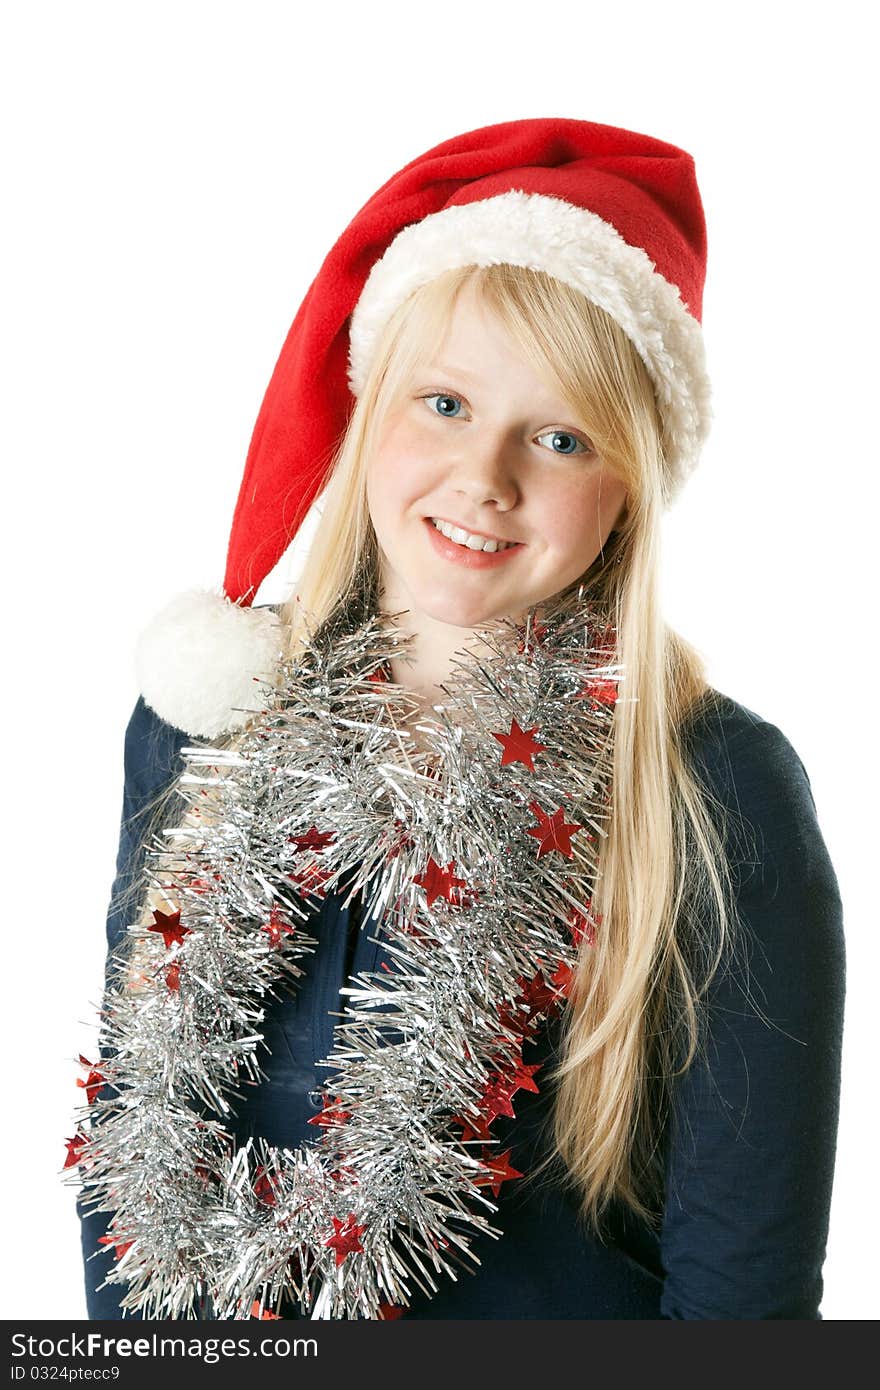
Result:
<point x="749" y="1145"/>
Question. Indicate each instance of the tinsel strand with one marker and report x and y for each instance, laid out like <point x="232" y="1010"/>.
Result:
<point x="473" y="835"/>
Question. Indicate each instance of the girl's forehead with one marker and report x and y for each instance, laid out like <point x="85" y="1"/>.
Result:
<point x="470" y="345"/>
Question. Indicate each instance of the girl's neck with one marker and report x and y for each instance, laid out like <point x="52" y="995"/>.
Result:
<point x="431" y="653"/>
<point x="432" y="648"/>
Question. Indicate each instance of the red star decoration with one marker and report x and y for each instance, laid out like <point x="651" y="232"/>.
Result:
<point x="563" y="979"/>
<point x="604" y="692"/>
<point x="516" y="1020"/>
<point x="520" y="745"/>
<point x="264" y="1187"/>
<point x="469" y="898"/>
<point x="582" y="928"/>
<point x="507" y="1052"/>
<point x="497" y="1099"/>
<point x="119" y="1246"/>
<point x="472" y="1129"/>
<point x="310" y="880"/>
<point x="499" y="1170"/>
<point x="331" y="1114"/>
<point x="389" y="1311"/>
<point x="537" y="995"/>
<point x="172" y="976"/>
<point x="314" y="839"/>
<point x="524" y="1077"/>
<point x="75" y="1148"/>
<point x="552" y="832"/>
<point x="265" y="1314"/>
<point x="168" y="923"/>
<point x="277" y="927"/>
<point x="439" y="883"/>
<point x="346" y="1238"/>
<point x="93" y="1082"/>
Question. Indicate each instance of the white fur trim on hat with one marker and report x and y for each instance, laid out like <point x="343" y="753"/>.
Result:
<point x="202" y="661"/>
<point x="581" y="249"/>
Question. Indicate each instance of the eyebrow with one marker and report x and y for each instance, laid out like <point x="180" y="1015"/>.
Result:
<point x="452" y="371"/>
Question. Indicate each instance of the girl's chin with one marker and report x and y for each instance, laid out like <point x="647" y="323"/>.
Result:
<point x="455" y="612"/>
<point x="464" y="601"/>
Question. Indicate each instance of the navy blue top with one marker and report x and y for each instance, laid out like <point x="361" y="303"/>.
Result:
<point x="750" y="1144"/>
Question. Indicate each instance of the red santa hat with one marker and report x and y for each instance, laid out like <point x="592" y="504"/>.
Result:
<point x="615" y="214"/>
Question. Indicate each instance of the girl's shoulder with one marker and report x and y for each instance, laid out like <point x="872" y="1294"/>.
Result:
<point x="737" y="748"/>
<point x="756" y="779"/>
<point x="716" y="723"/>
<point x="152" y="749"/>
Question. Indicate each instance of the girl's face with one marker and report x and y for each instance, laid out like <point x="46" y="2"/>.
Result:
<point x="482" y="450"/>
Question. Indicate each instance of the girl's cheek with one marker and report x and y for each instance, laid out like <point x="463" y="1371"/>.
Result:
<point x="570" y="516"/>
<point x="411" y="471"/>
<point x="579" y="511"/>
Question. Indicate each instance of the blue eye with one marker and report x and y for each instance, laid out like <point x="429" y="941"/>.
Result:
<point x="572" y="445"/>
<point x="443" y="396"/>
<point x="571" y="440"/>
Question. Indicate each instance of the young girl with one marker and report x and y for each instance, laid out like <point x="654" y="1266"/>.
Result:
<point x="494" y="966"/>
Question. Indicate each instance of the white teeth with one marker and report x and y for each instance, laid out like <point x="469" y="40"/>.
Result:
<point x="471" y="542"/>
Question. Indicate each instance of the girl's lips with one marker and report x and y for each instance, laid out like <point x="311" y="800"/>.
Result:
<point x="461" y="555"/>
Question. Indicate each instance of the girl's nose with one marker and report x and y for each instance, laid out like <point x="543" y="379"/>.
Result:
<point x="484" y="475"/>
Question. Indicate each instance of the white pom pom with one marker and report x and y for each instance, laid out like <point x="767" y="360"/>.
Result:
<point x="198" y="660"/>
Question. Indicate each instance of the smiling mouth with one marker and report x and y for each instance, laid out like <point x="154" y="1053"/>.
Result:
<point x="469" y="540"/>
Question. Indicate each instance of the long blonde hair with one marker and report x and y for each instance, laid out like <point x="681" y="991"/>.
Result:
<point x="664" y="891"/>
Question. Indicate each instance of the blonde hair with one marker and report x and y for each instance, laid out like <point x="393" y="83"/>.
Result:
<point x="664" y="892"/>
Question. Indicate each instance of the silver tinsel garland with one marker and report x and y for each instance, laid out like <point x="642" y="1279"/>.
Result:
<point x="475" y="834"/>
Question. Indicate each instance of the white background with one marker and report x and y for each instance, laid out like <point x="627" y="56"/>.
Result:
<point x="173" y="176"/>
